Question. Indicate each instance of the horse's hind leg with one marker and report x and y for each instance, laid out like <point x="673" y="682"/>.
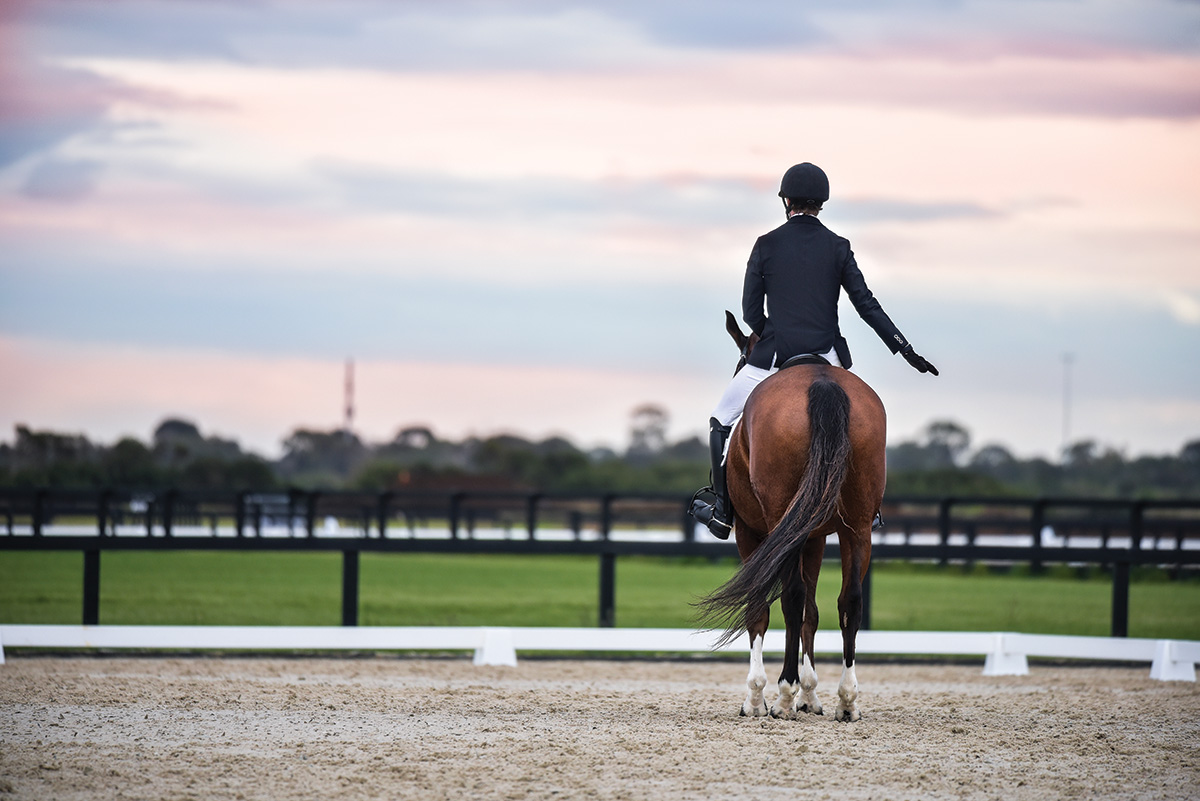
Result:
<point x="755" y="705"/>
<point x="792" y="601"/>
<point x="856" y="555"/>
<point x="814" y="551"/>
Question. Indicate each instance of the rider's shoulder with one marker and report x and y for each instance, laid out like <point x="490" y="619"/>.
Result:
<point x="803" y="226"/>
<point x="841" y="241"/>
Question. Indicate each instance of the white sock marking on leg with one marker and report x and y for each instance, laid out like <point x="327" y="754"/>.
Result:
<point x="848" y="693"/>
<point x="808" y="688"/>
<point x="756" y="680"/>
<point x="758" y="674"/>
<point x="808" y="675"/>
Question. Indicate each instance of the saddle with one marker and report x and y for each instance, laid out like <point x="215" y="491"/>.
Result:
<point x="804" y="358"/>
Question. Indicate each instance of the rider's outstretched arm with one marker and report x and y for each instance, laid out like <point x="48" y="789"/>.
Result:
<point x="869" y="309"/>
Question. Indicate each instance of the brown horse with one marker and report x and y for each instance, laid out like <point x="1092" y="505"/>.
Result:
<point x="806" y="460"/>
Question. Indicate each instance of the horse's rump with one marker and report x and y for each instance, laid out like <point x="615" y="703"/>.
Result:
<point x="825" y="421"/>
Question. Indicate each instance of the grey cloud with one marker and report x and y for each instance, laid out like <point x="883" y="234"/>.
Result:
<point x="247" y="309"/>
<point x="158" y="28"/>
<point x="775" y="24"/>
<point x="41" y="106"/>
<point x="416" y="35"/>
<point x="689" y="201"/>
<point x="421" y="34"/>
<point x="424" y="35"/>
<point x="869" y="210"/>
<point x="672" y="200"/>
<point x="61" y="180"/>
<point x="683" y="200"/>
<point x="19" y="138"/>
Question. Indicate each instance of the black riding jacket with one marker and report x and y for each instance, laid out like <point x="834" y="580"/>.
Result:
<point x="799" y="269"/>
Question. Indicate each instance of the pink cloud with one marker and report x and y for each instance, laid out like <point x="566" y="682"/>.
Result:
<point x="1106" y="83"/>
<point x="113" y="391"/>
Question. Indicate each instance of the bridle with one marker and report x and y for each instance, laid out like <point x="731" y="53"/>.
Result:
<point x="751" y="341"/>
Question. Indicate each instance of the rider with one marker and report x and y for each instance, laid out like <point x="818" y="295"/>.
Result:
<point x="800" y="267"/>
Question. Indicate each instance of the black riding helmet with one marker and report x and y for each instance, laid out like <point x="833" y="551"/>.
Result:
<point x="805" y="182"/>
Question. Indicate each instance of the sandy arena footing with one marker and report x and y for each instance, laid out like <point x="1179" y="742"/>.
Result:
<point x="428" y="728"/>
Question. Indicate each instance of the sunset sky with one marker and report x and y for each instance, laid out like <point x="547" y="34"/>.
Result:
<point x="530" y="216"/>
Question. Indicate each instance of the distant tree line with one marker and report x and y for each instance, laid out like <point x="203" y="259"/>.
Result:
<point x="178" y="456"/>
<point x="940" y="461"/>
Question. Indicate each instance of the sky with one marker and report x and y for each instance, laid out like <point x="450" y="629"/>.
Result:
<point x="529" y="217"/>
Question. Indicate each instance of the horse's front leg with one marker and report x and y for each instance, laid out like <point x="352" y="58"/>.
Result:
<point x="755" y="705"/>
<point x="856" y="555"/>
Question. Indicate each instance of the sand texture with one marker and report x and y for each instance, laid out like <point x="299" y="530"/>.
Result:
<point x="441" y="728"/>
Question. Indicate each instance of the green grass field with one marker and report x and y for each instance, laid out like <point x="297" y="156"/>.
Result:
<point x="222" y="588"/>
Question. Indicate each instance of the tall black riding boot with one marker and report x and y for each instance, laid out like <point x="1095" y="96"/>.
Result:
<point x="710" y="505"/>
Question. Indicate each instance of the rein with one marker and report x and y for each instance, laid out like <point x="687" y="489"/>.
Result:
<point x="747" y="346"/>
<point x="742" y="361"/>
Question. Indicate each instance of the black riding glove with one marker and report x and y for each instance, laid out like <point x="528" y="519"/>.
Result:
<point x="917" y="361"/>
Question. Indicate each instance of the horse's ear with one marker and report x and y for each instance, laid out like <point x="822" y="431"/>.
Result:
<point x="735" y="330"/>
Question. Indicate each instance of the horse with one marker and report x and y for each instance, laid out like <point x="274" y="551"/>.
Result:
<point x="806" y="460"/>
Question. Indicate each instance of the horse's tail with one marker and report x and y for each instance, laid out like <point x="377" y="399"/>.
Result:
<point x="759" y="581"/>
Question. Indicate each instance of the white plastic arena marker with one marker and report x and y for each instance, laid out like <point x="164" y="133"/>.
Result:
<point x="1001" y="662"/>
<point x="496" y="649"/>
<point x="1167" y="664"/>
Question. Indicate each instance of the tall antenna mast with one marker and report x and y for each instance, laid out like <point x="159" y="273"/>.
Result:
<point x="349" y="422"/>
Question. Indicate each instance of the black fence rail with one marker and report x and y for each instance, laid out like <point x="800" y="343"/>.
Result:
<point x="315" y="514"/>
<point x="1117" y="534"/>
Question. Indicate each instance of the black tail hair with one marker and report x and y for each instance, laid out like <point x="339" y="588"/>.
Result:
<point x="759" y="580"/>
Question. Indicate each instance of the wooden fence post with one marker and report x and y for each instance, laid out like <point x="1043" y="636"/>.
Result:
<point x="1037" y="521"/>
<point x="91" y="587"/>
<point x="608" y="590"/>
<point x="944" y="530"/>
<point x="455" y="510"/>
<point x="608" y="568"/>
<point x="1120" y="598"/>
<point x="385" y="502"/>
<point x="531" y="514"/>
<point x="168" y="512"/>
<point x="239" y="515"/>
<point x="350" y="588"/>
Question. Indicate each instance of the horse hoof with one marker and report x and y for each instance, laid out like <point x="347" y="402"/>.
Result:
<point x="753" y="711"/>
<point x="848" y="715"/>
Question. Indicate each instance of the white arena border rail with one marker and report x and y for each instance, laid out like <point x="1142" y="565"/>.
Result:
<point x="1005" y="654"/>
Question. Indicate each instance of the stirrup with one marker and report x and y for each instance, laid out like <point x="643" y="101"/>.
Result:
<point x="700" y="503"/>
<point x="877" y="523"/>
<point x="705" y="513"/>
<point x="719" y="528"/>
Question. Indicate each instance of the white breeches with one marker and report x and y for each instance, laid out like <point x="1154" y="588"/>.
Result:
<point x="729" y="408"/>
